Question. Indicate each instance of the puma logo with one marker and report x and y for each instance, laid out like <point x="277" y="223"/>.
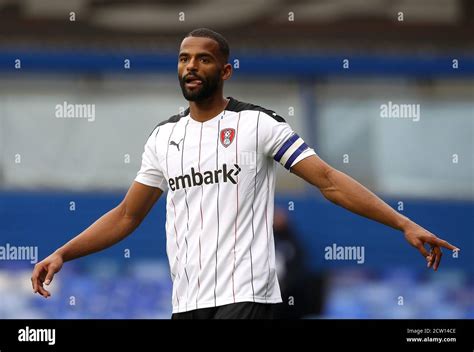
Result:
<point x="176" y="144"/>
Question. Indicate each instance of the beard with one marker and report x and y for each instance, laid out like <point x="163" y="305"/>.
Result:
<point x="208" y="87"/>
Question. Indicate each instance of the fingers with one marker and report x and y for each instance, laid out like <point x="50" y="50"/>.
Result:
<point x="43" y="292"/>
<point x="38" y="288"/>
<point x="49" y="275"/>
<point x="438" y="254"/>
<point x="436" y="241"/>
<point x="35" y="277"/>
<point x="37" y="280"/>
<point x="445" y="244"/>
<point x="33" y="283"/>
<point x="423" y="250"/>
<point x="431" y="258"/>
<point x="435" y="257"/>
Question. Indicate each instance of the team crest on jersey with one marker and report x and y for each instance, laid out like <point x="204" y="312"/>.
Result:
<point x="227" y="136"/>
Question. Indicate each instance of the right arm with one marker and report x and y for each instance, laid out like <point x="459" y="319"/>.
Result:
<point x="105" y="232"/>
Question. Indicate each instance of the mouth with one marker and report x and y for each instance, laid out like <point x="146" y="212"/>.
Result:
<point x="192" y="82"/>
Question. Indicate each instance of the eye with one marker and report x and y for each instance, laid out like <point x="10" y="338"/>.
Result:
<point x="183" y="59"/>
<point x="204" y="60"/>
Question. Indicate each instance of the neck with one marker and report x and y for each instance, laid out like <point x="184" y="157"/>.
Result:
<point x="207" y="109"/>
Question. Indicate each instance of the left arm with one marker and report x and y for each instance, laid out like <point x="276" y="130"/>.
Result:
<point x="343" y="190"/>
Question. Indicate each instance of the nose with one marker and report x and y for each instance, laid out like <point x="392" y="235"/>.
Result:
<point x="191" y="65"/>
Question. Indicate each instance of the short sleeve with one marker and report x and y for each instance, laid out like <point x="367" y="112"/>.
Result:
<point x="150" y="173"/>
<point x="282" y="143"/>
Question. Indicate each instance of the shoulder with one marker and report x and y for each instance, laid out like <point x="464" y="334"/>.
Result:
<point x="239" y="106"/>
<point x="171" y="120"/>
<point x="174" y="118"/>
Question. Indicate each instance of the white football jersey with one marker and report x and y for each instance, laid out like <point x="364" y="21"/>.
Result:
<point x="220" y="178"/>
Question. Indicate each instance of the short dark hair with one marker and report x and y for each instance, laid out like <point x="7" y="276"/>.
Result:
<point x="219" y="38"/>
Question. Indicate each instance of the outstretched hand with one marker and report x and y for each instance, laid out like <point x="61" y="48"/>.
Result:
<point x="417" y="236"/>
<point x="44" y="272"/>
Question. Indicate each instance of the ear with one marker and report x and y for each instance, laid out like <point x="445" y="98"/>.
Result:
<point x="226" y="72"/>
